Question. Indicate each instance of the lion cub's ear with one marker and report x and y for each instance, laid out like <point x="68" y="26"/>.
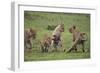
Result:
<point x="74" y="27"/>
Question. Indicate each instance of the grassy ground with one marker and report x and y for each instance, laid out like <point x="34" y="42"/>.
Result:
<point x="40" y="22"/>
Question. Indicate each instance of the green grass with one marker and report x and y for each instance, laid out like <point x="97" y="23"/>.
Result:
<point x="40" y="21"/>
<point x="55" y="56"/>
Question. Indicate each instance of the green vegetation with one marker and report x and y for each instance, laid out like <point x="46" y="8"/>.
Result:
<point x="40" y="21"/>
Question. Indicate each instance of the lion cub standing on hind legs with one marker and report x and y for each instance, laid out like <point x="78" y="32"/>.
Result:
<point x="79" y="38"/>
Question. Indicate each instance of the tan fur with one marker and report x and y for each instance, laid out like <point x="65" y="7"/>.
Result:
<point x="56" y="36"/>
<point x="29" y="35"/>
<point x="46" y="43"/>
<point x="78" y="38"/>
